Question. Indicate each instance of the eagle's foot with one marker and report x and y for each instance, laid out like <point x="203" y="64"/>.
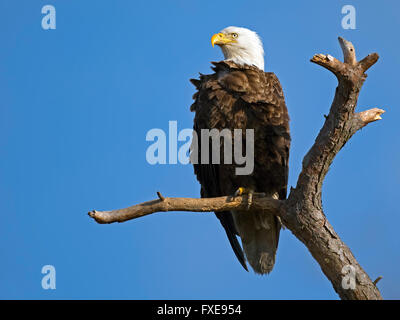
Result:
<point x="250" y="194"/>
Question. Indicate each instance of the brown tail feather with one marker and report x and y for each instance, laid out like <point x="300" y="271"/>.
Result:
<point x="260" y="236"/>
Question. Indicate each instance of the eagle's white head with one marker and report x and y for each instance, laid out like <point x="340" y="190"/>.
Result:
<point x="240" y="45"/>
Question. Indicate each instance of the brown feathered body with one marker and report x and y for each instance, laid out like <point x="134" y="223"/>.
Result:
<point x="245" y="97"/>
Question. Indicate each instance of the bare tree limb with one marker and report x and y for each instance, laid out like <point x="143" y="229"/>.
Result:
<point x="302" y="211"/>
<point x="186" y="204"/>
<point x="377" y="280"/>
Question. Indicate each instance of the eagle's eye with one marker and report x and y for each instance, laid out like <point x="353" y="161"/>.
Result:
<point x="235" y="35"/>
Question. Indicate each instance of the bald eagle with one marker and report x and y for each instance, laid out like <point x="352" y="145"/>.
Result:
<point x="240" y="95"/>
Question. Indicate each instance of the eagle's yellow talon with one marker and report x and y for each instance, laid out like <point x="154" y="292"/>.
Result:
<point x="240" y="191"/>
<point x="245" y="191"/>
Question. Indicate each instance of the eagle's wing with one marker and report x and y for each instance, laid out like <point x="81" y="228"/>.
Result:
<point x="208" y="174"/>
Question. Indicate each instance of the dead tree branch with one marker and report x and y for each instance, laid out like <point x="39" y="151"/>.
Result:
<point x="186" y="204"/>
<point x="302" y="212"/>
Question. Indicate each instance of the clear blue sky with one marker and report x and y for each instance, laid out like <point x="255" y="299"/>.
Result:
<point x="76" y="104"/>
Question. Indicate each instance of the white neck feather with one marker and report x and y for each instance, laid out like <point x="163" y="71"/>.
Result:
<point x="245" y="56"/>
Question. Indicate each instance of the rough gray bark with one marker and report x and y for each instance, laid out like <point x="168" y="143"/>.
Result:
<point x="302" y="212"/>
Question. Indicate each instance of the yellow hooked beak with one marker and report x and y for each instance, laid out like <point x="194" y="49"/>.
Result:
<point x="221" y="39"/>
